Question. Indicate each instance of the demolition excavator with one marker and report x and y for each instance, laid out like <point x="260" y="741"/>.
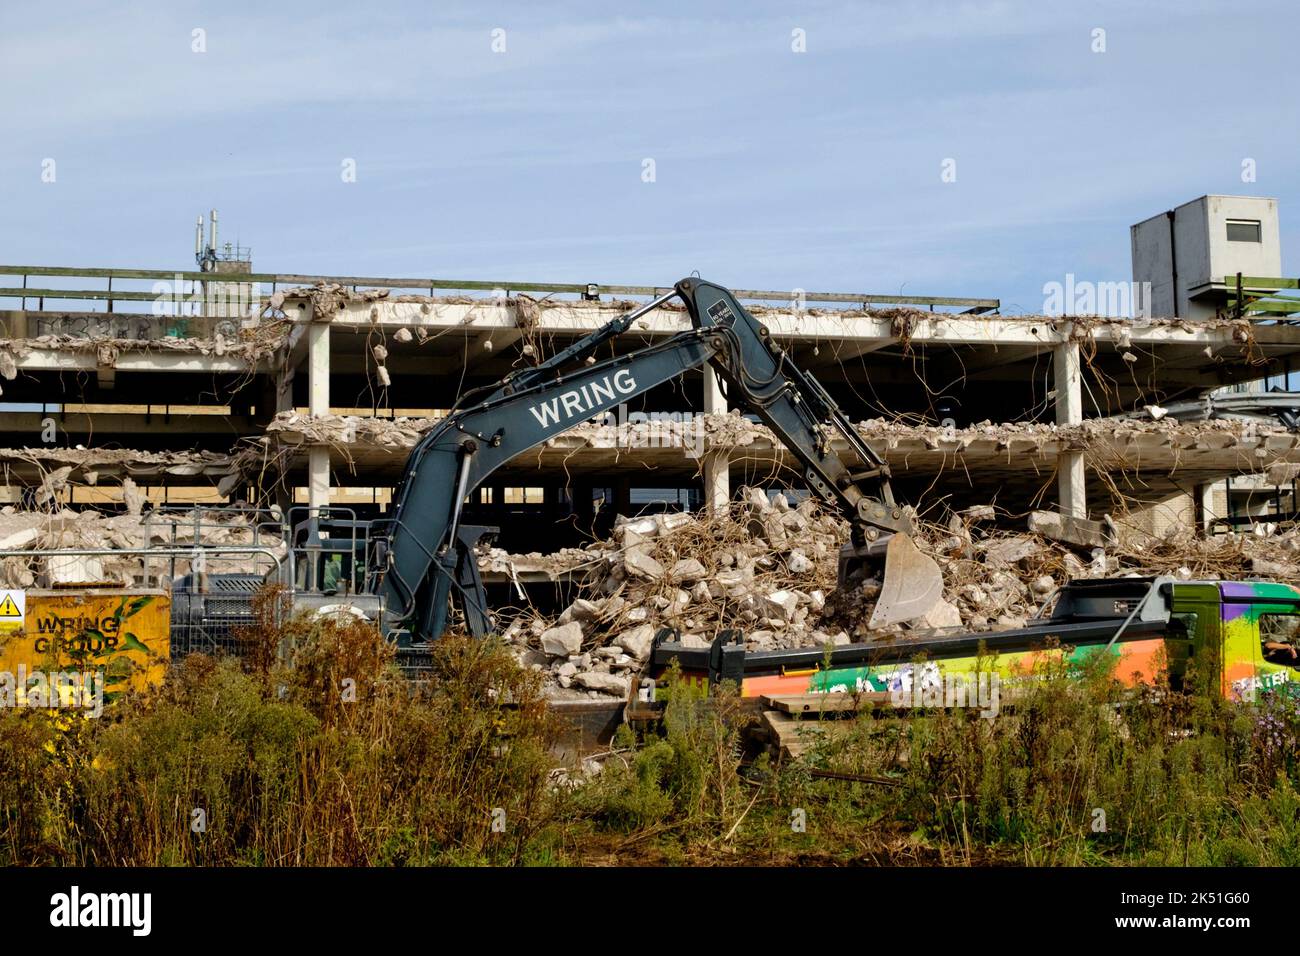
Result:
<point x="425" y="558"/>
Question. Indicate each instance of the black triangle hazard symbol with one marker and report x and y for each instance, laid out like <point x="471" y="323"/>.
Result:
<point x="8" y="608"/>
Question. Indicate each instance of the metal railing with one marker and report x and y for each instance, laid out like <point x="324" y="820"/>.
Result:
<point x="587" y="290"/>
<point x="213" y="584"/>
<point x="225" y="614"/>
<point x="264" y="525"/>
<point x="147" y="576"/>
<point x="333" y="535"/>
<point x="1261" y="295"/>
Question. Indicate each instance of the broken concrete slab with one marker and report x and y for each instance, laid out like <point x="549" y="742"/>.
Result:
<point x="639" y="564"/>
<point x="687" y="571"/>
<point x="615" y="684"/>
<point x="1011" y="550"/>
<point x="1070" y="530"/>
<point x="637" y="641"/>
<point x="782" y="604"/>
<point x="562" y="641"/>
<point x="940" y="615"/>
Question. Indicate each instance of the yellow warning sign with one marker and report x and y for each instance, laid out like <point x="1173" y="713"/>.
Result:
<point x="13" y="605"/>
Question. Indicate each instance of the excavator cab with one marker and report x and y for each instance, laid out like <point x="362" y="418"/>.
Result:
<point x="331" y="555"/>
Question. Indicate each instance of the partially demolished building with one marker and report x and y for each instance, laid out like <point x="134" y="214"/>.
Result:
<point x="136" y="391"/>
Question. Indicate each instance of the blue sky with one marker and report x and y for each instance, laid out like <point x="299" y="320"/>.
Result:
<point x="773" y="169"/>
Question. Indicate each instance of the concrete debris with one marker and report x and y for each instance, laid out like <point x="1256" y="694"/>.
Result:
<point x="1282" y="473"/>
<point x="400" y="433"/>
<point x="327" y="298"/>
<point x="796" y="562"/>
<point x="71" y="530"/>
<point x="638" y="563"/>
<point x="16" y="532"/>
<point x="53" y="483"/>
<point x="941" y="615"/>
<point x="1271" y="569"/>
<point x="131" y="497"/>
<point x="637" y="641"/>
<point x="562" y="641"/>
<point x="1077" y="531"/>
<point x="252" y="343"/>
<point x="52" y="469"/>
<point x="782" y="605"/>
<point x="71" y="570"/>
<point x="1042" y="586"/>
<point x="687" y="571"/>
<point x="604" y="682"/>
<point x="1009" y="550"/>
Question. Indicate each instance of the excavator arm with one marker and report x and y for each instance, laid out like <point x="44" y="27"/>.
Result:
<point x="430" y="554"/>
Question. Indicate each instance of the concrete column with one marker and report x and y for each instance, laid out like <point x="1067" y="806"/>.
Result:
<point x="717" y="473"/>
<point x="318" y="476"/>
<point x="318" y="403"/>
<point x="1071" y="489"/>
<point x="274" y="395"/>
<point x="318" y="368"/>
<point x="1205" y="499"/>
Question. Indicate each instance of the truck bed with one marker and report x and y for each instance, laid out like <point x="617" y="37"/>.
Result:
<point x="1090" y="612"/>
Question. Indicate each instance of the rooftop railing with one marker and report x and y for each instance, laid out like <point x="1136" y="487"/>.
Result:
<point x="27" y="290"/>
<point x="1261" y="295"/>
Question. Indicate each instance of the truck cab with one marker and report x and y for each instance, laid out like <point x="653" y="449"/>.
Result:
<point x="1255" y="631"/>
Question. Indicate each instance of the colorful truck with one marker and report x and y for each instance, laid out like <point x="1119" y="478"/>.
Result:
<point x="1245" y="635"/>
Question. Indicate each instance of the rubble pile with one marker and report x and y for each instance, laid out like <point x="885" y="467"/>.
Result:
<point x="768" y="567"/>
<point x="69" y="529"/>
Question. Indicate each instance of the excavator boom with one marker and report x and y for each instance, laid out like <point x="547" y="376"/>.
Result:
<point x="430" y="555"/>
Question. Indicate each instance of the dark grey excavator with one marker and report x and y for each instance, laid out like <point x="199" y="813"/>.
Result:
<point x="428" y="555"/>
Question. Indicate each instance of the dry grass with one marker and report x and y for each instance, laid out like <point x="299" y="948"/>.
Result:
<point x="339" y="761"/>
<point x="335" y="761"/>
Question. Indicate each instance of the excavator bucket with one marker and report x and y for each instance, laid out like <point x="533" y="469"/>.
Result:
<point x="913" y="584"/>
